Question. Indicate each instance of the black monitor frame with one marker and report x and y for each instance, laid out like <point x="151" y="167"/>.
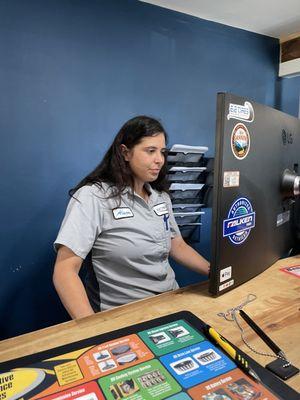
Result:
<point x="253" y="223"/>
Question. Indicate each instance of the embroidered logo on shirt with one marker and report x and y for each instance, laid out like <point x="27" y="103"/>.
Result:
<point x="166" y="221"/>
<point x="122" y="212"/>
<point x="161" y="209"/>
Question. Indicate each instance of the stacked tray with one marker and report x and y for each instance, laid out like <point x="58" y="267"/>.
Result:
<point x="185" y="173"/>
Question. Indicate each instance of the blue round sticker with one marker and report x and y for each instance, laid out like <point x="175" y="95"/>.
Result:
<point x="239" y="222"/>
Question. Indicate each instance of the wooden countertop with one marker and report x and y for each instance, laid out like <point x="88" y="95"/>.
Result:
<point x="276" y="310"/>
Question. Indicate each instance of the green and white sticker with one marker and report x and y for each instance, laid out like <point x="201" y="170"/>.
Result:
<point x="145" y="381"/>
<point x="170" y="337"/>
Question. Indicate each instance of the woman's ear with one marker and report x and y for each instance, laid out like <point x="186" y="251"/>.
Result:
<point x="125" y="152"/>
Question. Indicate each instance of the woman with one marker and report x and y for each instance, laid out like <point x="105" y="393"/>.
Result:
<point x="122" y="215"/>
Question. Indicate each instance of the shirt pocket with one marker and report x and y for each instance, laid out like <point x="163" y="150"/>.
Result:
<point x="162" y="216"/>
<point x="166" y="232"/>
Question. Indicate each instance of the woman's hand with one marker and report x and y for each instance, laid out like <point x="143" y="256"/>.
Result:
<point x="69" y="285"/>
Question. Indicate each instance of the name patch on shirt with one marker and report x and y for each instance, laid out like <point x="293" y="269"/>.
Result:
<point x="161" y="209"/>
<point x="122" y="212"/>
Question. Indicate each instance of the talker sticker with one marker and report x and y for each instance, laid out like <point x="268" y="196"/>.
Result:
<point x="241" y="113"/>
<point x="239" y="222"/>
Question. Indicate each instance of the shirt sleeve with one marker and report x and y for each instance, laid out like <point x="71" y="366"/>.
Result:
<point x="82" y="223"/>
<point x="173" y="224"/>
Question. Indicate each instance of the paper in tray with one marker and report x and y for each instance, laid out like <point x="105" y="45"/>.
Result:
<point x="182" y="148"/>
<point x="188" y="214"/>
<point x="188" y="217"/>
<point x="183" y="174"/>
<point x="187" y="169"/>
<point x="191" y="224"/>
<point x="187" y="205"/>
<point x="186" y="186"/>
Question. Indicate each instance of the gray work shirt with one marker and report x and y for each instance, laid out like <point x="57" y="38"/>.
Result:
<point x="129" y="241"/>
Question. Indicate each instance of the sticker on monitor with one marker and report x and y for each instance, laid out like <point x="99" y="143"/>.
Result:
<point x="225" y="273"/>
<point x="240" y="141"/>
<point x="241" y="112"/>
<point x="240" y="221"/>
<point x="231" y="179"/>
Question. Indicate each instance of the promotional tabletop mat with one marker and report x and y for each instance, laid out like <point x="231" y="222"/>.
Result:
<point x="166" y="358"/>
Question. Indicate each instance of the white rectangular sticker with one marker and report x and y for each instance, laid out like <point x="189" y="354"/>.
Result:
<point x="283" y="218"/>
<point x="226" y="285"/>
<point x="122" y="212"/>
<point x="161" y="209"/>
<point x="225" y="274"/>
<point x="231" y="179"/>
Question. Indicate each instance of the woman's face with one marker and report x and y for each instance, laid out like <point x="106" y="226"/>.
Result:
<point x="146" y="158"/>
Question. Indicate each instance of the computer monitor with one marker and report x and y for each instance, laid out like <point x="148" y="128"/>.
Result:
<point x="255" y="215"/>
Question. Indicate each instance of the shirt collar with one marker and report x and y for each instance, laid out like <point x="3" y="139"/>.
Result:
<point x="153" y="194"/>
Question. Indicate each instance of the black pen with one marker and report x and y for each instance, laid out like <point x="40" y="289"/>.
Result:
<point x="234" y="355"/>
<point x="269" y="342"/>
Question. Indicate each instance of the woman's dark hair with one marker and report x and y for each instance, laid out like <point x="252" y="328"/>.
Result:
<point x="113" y="168"/>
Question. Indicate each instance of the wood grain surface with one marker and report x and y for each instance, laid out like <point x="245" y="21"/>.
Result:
<point x="276" y="310"/>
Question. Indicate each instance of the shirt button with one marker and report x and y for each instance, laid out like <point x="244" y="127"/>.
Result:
<point x="164" y="257"/>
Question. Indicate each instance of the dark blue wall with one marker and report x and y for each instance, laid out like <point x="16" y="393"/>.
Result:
<point x="290" y="96"/>
<point x="71" y="72"/>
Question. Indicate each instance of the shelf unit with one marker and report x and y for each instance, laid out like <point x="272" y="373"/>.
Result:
<point x="187" y="172"/>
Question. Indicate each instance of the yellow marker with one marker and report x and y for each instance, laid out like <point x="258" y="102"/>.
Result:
<point x="222" y="342"/>
<point x="238" y="358"/>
